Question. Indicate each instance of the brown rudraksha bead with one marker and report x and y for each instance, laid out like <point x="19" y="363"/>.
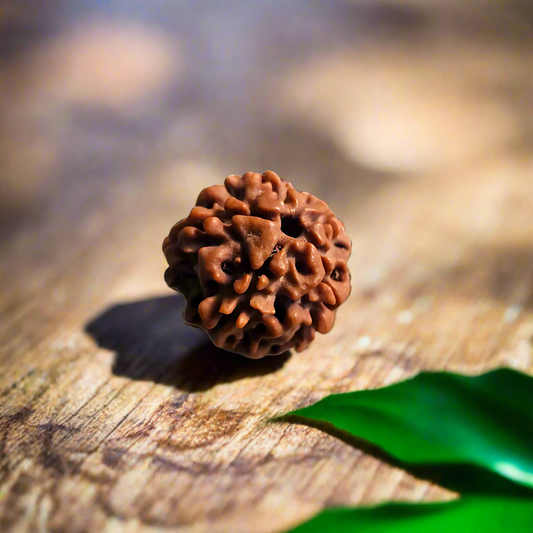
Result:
<point x="261" y="265"/>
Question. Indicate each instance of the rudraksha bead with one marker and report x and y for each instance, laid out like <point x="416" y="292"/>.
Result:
<point x="261" y="265"/>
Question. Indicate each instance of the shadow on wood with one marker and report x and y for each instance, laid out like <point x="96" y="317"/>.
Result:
<point x="152" y="343"/>
<point x="462" y="478"/>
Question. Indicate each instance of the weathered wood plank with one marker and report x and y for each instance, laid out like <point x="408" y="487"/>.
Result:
<point x="114" y="416"/>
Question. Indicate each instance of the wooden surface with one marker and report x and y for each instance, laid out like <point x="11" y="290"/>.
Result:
<point x="413" y="122"/>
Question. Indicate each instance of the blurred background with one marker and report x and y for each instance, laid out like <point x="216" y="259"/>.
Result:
<point x="150" y="100"/>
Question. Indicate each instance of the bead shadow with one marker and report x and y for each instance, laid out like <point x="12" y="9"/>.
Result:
<point x="151" y="343"/>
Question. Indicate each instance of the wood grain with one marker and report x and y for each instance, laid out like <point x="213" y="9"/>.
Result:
<point x="114" y="416"/>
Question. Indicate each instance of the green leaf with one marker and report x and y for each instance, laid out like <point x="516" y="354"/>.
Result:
<point x="467" y="515"/>
<point x="438" y="418"/>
